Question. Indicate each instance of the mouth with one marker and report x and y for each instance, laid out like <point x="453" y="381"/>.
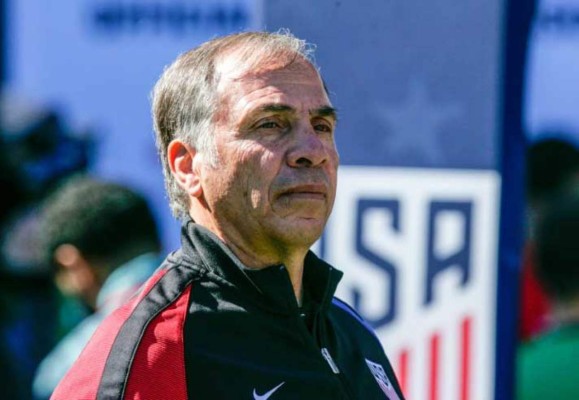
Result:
<point x="306" y="192"/>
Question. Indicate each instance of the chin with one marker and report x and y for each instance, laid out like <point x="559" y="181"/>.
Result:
<point x="303" y="232"/>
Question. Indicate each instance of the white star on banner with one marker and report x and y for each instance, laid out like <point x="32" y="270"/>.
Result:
<point x="414" y="123"/>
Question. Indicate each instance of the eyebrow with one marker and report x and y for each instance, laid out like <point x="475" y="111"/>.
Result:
<point x="324" y="111"/>
<point x="276" y="108"/>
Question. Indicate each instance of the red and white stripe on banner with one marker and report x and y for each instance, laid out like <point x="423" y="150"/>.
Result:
<point x="419" y="249"/>
<point x="464" y="361"/>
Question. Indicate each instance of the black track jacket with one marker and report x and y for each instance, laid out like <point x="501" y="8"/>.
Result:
<point x="206" y="327"/>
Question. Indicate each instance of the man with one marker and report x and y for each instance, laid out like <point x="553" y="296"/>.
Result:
<point x="104" y="242"/>
<point x="244" y="310"/>
<point x="547" y="365"/>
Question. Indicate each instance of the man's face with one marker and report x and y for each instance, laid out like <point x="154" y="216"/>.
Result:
<point x="275" y="180"/>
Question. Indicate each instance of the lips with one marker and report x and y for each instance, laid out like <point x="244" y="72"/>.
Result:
<point x="306" y="192"/>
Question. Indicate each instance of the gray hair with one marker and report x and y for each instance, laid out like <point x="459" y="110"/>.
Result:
<point x="185" y="98"/>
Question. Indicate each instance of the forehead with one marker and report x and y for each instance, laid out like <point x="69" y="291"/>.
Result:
<point x="297" y="85"/>
<point x="238" y="62"/>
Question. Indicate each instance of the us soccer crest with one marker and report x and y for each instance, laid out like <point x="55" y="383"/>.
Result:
<point x="382" y="379"/>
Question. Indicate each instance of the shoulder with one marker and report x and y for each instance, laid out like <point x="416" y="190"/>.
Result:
<point x="155" y="301"/>
<point x="350" y="317"/>
<point x="144" y="333"/>
<point x="556" y="347"/>
<point x="354" y="330"/>
<point x="559" y="352"/>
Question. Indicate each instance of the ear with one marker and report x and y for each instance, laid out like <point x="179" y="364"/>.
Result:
<point x="184" y="164"/>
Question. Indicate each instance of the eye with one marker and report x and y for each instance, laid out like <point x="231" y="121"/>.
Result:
<point x="323" y="126"/>
<point x="268" y="125"/>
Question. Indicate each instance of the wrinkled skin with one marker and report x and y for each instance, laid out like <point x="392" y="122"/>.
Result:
<point x="273" y="188"/>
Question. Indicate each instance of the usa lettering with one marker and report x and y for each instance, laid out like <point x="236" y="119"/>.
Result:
<point x="444" y="217"/>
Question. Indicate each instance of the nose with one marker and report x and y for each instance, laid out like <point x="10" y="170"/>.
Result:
<point x="309" y="150"/>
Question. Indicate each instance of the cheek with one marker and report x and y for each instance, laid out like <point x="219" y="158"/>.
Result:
<point x="257" y="197"/>
<point x="253" y="169"/>
<point x="261" y="172"/>
<point x="332" y="173"/>
<point x="334" y="159"/>
<point x="335" y="156"/>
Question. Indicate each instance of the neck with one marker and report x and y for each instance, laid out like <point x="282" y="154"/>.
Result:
<point x="294" y="263"/>
<point x="258" y="252"/>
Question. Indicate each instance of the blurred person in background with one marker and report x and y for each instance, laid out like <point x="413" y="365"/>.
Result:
<point x="548" y="365"/>
<point x="244" y="309"/>
<point x="552" y="163"/>
<point x="37" y="151"/>
<point x="103" y="241"/>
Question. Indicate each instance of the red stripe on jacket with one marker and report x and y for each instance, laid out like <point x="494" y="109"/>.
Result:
<point x="158" y="370"/>
<point x="82" y="383"/>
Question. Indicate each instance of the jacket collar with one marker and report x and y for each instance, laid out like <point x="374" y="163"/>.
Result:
<point x="269" y="287"/>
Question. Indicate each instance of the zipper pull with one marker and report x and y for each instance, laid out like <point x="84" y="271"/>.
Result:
<point x="330" y="361"/>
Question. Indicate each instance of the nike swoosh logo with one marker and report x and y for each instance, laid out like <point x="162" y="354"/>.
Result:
<point x="267" y="395"/>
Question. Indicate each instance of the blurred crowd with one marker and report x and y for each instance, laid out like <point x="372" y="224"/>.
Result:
<point x="36" y="154"/>
<point x="549" y="317"/>
<point x="72" y="248"/>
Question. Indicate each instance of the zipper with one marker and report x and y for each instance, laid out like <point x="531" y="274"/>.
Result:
<point x="330" y="360"/>
<point x="334" y="366"/>
<point x="340" y="375"/>
<point x="327" y="358"/>
<point x="311" y="339"/>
